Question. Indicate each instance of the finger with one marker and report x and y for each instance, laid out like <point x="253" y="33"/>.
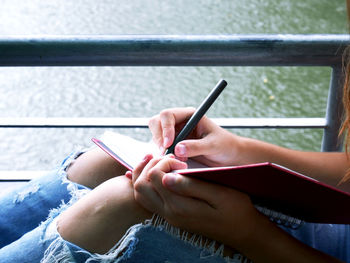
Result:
<point x="182" y="209"/>
<point x="192" y="187"/>
<point x="167" y="164"/>
<point x="146" y="196"/>
<point x="169" y="119"/>
<point x="167" y="122"/>
<point x="156" y="130"/>
<point x="155" y="174"/>
<point x="144" y="192"/>
<point x="170" y="204"/>
<point x="139" y="168"/>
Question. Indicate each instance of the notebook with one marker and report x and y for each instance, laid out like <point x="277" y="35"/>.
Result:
<point x="287" y="197"/>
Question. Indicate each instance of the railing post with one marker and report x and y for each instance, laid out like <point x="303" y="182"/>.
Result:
<point x="331" y="142"/>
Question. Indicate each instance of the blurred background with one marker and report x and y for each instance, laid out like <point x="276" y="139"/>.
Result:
<point x="144" y="91"/>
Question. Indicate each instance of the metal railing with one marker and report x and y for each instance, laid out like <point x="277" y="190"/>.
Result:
<point x="175" y="50"/>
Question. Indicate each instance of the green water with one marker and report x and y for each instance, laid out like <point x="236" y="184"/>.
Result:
<point x="144" y="91"/>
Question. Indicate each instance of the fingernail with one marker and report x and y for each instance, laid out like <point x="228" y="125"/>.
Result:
<point x="128" y="175"/>
<point x="165" y="142"/>
<point x="146" y="158"/>
<point x="162" y="149"/>
<point x="180" y="150"/>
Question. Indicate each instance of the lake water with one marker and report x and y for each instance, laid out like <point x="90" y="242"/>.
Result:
<point x="144" y="91"/>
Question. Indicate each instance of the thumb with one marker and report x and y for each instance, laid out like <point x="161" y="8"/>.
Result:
<point x="194" y="147"/>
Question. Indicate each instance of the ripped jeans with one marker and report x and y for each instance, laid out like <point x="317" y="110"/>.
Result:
<point x="28" y="231"/>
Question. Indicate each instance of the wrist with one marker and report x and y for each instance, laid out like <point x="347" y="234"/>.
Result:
<point x="247" y="234"/>
<point x="239" y="148"/>
<point x="257" y="239"/>
<point x="254" y="151"/>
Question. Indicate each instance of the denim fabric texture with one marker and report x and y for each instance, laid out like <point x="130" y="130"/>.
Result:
<point x="28" y="231"/>
<point x="27" y="211"/>
<point x="332" y="239"/>
<point x="145" y="243"/>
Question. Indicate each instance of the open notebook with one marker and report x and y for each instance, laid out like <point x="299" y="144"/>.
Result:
<point x="271" y="187"/>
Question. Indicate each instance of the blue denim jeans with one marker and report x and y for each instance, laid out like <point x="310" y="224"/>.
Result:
<point x="28" y="231"/>
<point x="332" y="239"/>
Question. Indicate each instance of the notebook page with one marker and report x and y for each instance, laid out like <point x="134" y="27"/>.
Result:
<point x="132" y="151"/>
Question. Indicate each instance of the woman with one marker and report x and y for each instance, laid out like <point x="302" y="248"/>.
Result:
<point x="98" y="220"/>
<point x="102" y="224"/>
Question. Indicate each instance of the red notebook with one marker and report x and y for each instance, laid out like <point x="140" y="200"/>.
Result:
<point x="269" y="185"/>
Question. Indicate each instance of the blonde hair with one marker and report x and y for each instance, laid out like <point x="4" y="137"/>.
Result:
<point x="346" y="100"/>
<point x="344" y="130"/>
<point x="346" y="90"/>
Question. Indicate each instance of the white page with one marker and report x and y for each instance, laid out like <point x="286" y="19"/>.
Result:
<point x="133" y="151"/>
<point x="130" y="150"/>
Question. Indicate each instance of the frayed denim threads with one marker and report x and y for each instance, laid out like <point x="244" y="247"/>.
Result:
<point x="27" y="210"/>
<point x="153" y="241"/>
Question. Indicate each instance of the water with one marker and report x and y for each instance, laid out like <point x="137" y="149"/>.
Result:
<point x="144" y="91"/>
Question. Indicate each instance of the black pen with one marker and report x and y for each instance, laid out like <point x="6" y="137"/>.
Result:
<point x="198" y="114"/>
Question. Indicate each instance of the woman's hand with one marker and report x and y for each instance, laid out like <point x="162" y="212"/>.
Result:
<point x="214" y="146"/>
<point x="208" y="143"/>
<point x="215" y="211"/>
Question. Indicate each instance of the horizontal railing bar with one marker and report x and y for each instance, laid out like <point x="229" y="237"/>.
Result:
<point x="143" y="122"/>
<point x="173" y="50"/>
<point x="73" y="122"/>
<point x="271" y="122"/>
<point x="20" y="175"/>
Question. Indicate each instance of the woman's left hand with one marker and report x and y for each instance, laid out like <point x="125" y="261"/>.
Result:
<point x="215" y="211"/>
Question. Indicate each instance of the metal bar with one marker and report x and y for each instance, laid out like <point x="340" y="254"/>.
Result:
<point x="173" y="50"/>
<point x="19" y="176"/>
<point x="143" y="122"/>
<point x="74" y="122"/>
<point x="331" y="141"/>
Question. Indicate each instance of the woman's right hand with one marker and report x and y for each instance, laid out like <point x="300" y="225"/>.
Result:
<point x="208" y="143"/>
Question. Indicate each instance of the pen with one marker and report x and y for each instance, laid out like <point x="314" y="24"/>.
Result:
<point x="198" y="114"/>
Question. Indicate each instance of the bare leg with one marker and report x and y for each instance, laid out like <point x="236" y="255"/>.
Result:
<point x="98" y="220"/>
<point x="93" y="168"/>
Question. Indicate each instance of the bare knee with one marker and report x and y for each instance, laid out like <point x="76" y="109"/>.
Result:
<point x="98" y="220"/>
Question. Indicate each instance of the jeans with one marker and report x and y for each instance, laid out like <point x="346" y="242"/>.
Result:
<point x="28" y="231"/>
<point x="332" y="239"/>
